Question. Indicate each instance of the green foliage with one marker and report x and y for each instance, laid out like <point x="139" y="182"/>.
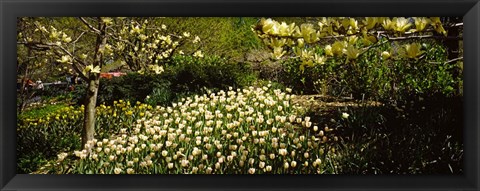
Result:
<point x="229" y="37"/>
<point x="186" y="75"/>
<point x="42" y="135"/>
<point x="421" y="137"/>
<point x="371" y="76"/>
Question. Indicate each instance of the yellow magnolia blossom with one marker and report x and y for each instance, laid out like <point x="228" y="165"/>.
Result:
<point x="319" y="59"/>
<point x="276" y="42"/>
<point x="107" y="20"/>
<point x="352" y="40"/>
<point x="328" y="50"/>
<point x="437" y="25"/>
<point x="300" y="42"/>
<point x="338" y="47"/>
<point x="307" y="54"/>
<point x="369" y="39"/>
<point x="278" y="52"/>
<point x="401" y="24"/>
<point x="345" y="23"/>
<point x="196" y="40"/>
<point x="385" y="55"/>
<point x="387" y="24"/>
<point x="286" y="30"/>
<point x="412" y="50"/>
<point x="198" y="53"/>
<point x="352" y="52"/>
<point x="92" y="69"/>
<point x="421" y="23"/>
<point x="268" y="26"/>
<point x="156" y="68"/>
<point x="308" y="33"/>
<point x="370" y="22"/>
<point x="65" y="59"/>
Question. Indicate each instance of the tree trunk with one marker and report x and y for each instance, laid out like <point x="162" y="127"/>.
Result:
<point x="453" y="48"/>
<point x="93" y="81"/>
<point x="89" y="113"/>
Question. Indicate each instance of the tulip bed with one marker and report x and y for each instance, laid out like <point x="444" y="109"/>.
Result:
<point x="244" y="131"/>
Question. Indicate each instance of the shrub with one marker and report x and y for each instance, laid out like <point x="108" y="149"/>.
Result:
<point x="373" y="77"/>
<point x="184" y="76"/>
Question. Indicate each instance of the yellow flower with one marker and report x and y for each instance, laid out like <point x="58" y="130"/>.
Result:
<point x="421" y="23"/>
<point x="352" y="52"/>
<point x="437" y="25"/>
<point x="308" y="33"/>
<point x="401" y="24"/>
<point x="338" y="47"/>
<point x="370" y="22"/>
<point x="198" y="54"/>
<point x="385" y="55"/>
<point x="412" y="50"/>
<point x="65" y="59"/>
<point x="387" y="23"/>
<point x="328" y="50"/>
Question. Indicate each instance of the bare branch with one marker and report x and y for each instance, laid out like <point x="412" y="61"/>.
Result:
<point x="89" y="25"/>
<point x="423" y="37"/>
<point x="448" y="61"/>
<point x="78" y="38"/>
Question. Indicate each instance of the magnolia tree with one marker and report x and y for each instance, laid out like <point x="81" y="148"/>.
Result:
<point x="87" y="46"/>
<point x="351" y="37"/>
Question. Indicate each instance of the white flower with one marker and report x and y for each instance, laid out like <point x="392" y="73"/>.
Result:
<point x="198" y="54"/>
<point x="293" y="164"/>
<point x="345" y="115"/>
<point x="196" y="40"/>
<point x="62" y="156"/>
<point x="117" y="170"/>
<point x="268" y="168"/>
<point x="251" y="170"/>
<point x="65" y="59"/>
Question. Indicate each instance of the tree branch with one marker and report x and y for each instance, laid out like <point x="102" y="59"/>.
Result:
<point x="89" y="25"/>
<point x="448" y="61"/>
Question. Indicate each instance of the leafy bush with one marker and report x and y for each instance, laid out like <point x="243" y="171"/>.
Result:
<point x="185" y="76"/>
<point x="371" y="76"/>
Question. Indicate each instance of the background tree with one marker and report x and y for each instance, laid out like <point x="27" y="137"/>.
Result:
<point x="85" y="46"/>
<point x="354" y="42"/>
